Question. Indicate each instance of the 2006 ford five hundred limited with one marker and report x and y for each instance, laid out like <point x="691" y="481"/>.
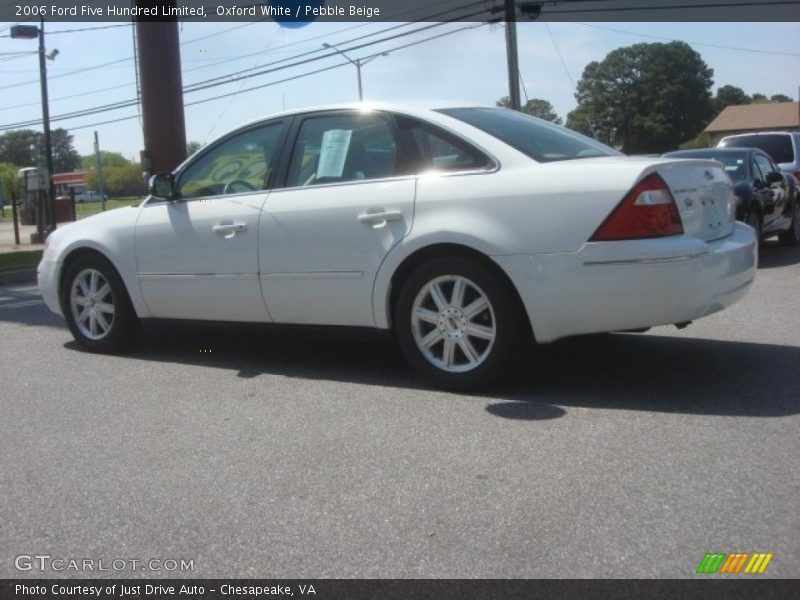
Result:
<point x="468" y="231"/>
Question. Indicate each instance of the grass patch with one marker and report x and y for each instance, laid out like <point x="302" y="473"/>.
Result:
<point x="87" y="209"/>
<point x="25" y="259"/>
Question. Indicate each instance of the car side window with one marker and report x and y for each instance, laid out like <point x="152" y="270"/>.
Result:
<point x="239" y="164"/>
<point x="764" y="165"/>
<point x="344" y="147"/>
<point x="757" y="175"/>
<point x="439" y="150"/>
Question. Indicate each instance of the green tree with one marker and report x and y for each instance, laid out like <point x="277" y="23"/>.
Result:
<point x="729" y="95"/>
<point x="780" y="98"/>
<point x="122" y="180"/>
<point x="8" y="180"/>
<point x="20" y="147"/>
<point x="536" y="107"/>
<point x="65" y="157"/>
<point x="25" y="148"/>
<point x="580" y="121"/>
<point x="193" y="147"/>
<point x="701" y="140"/>
<point x="646" y="97"/>
<point x="109" y="159"/>
<point x="759" y="99"/>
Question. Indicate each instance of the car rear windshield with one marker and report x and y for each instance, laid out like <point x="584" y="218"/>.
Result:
<point x="539" y="139"/>
<point x="778" y="146"/>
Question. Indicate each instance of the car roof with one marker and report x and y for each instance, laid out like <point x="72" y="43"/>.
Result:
<point x="714" y="150"/>
<point x="408" y="107"/>
<point x="736" y="135"/>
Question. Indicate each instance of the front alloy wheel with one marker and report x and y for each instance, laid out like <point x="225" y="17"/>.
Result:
<point x="96" y="305"/>
<point x="459" y="323"/>
<point x="92" y="304"/>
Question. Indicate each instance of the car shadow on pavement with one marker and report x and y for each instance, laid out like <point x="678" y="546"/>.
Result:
<point x="641" y="372"/>
<point x="771" y="255"/>
<point x="656" y="373"/>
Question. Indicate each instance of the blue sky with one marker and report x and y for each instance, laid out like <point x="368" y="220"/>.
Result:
<point x="467" y="65"/>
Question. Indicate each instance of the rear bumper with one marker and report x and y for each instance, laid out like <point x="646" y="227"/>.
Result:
<point x="609" y="286"/>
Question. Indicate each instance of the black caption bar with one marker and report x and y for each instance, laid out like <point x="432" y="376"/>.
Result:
<point x="394" y="589"/>
<point x="296" y="12"/>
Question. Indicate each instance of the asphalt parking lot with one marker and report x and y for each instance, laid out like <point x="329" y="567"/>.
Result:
<point x="261" y="454"/>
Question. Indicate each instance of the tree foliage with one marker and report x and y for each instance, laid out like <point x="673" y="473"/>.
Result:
<point x="536" y="107"/>
<point x="25" y="148"/>
<point x="120" y="180"/>
<point x="8" y="180"/>
<point x="109" y="159"/>
<point x="729" y="95"/>
<point x="645" y="97"/>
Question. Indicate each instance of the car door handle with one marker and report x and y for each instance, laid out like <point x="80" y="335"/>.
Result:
<point x="380" y="217"/>
<point x="229" y="230"/>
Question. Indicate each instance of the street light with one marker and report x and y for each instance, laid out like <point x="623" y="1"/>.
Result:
<point x="29" y="32"/>
<point x="359" y="62"/>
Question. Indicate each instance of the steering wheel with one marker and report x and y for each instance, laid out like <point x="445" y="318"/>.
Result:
<point x="237" y="186"/>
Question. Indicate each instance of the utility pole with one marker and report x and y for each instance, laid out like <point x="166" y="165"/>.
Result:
<point x="161" y="86"/>
<point x="357" y="63"/>
<point x="98" y="162"/>
<point x="48" y="141"/>
<point x="513" y="58"/>
<point x="28" y="32"/>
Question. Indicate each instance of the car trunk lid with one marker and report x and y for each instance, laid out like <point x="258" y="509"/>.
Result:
<point x="704" y="195"/>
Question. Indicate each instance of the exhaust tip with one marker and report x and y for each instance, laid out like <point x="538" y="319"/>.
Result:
<point x="683" y="324"/>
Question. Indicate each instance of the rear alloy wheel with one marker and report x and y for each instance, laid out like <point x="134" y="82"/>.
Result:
<point x="458" y="324"/>
<point x="791" y="237"/>
<point x="96" y="305"/>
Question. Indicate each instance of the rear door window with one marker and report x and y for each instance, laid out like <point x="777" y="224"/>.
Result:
<point x="341" y="148"/>
<point x="439" y="150"/>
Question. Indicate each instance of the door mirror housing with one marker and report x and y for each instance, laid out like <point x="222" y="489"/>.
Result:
<point x="162" y="186"/>
<point x="774" y="177"/>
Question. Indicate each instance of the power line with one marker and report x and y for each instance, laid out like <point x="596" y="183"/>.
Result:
<point x="239" y="76"/>
<point x="217" y="33"/>
<point x="271" y="83"/>
<point x="658" y="37"/>
<point x="722" y="5"/>
<point x="84" y="29"/>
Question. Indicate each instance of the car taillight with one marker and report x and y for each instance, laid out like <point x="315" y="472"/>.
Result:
<point x="797" y="175"/>
<point x="647" y="211"/>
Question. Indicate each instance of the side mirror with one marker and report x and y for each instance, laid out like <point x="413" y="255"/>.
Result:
<point x="774" y="177"/>
<point x="162" y="186"/>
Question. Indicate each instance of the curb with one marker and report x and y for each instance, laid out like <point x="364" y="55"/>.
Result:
<point x="18" y="276"/>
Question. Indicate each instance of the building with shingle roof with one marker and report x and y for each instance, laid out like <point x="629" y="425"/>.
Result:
<point x="752" y="118"/>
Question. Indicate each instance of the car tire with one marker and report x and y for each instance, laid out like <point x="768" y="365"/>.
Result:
<point x="754" y="220"/>
<point x="791" y="237"/>
<point x="96" y="305"/>
<point x="459" y="323"/>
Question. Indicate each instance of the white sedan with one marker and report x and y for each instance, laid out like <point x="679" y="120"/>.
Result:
<point x="468" y="231"/>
